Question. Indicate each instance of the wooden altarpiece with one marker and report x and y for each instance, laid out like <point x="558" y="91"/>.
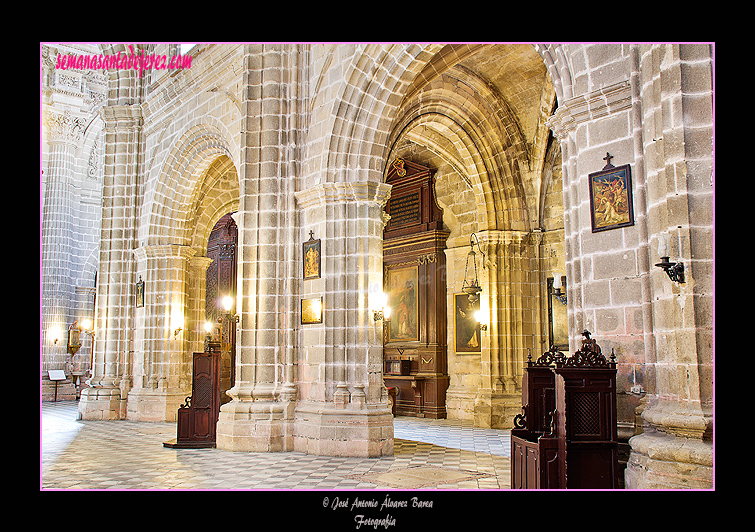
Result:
<point x="414" y="265"/>
<point x="567" y="436"/>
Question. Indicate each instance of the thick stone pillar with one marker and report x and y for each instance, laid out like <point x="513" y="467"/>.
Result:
<point x="259" y="416"/>
<point x="659" y="121"/>
<point x="166" y="331"/>
<point x="344" y="409"/>
<point x="674" y="87"/>
<point x="116" y="279"/>
<point x="63" y="134"/>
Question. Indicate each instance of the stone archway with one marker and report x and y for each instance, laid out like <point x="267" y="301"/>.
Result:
<point x="491" y="142"/>
<point x="198" y="184"/>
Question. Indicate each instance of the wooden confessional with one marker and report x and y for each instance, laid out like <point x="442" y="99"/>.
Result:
<point x="566" y="436"/>
<point x="414" y="267"/>
<point x="198" y="417"/>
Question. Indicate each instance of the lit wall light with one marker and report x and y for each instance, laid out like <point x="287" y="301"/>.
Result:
<point x="228" y="306"/>
<point x="177" y="324"/>
<point x="87" y="326"/>
<point x="483" y="318"/>
<point x="379" y="306"/>
<point x="54" y="333"/>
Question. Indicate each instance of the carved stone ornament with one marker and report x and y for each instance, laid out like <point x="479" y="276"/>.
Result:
<point x="64" y="127"/>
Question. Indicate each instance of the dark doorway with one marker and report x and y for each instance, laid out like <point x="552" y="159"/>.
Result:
<point x="221" y="282"/>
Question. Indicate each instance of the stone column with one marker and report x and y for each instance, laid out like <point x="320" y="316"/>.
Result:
<point x="344" y="408"/>
<point x="259" y="416"/>
<point x="116" y="279"/>
<point x="674" y="87"/>
<point x="165" y="332"/>
<point x="64" y="132"/>
<point x="510" y="292"/>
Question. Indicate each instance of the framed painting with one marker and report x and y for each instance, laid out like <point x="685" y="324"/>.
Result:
<point x="611" y="198"/>
<point x="311" y="311"/>
<point x="466" y="327"/>
<point x="403" y="300"/>
<point x="311" y="258"/>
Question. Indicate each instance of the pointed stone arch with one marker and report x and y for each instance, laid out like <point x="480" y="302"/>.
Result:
<point x="172" y="195"/>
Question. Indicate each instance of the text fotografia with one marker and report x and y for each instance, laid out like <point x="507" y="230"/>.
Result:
<point x="123" y="61"/>
<point x="358" y="505"/>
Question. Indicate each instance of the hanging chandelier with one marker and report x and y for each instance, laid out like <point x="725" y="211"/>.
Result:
<point x="471" y="284"/>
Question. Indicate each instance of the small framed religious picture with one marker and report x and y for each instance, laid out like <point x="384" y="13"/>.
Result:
<point x="611" y="197"/>
<point x="140" y="292"/>
<point x="311" y="311"/>
<point x="311" y="257"/>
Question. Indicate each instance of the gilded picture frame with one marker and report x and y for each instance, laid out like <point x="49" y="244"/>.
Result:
<point x="466" y="328"/>
<point x="311" y="259"/>
<point x="403" y="299"/>
<point x="311" y="310"/>
<point x="611" y="204"/>
<point x="140" y="293"/>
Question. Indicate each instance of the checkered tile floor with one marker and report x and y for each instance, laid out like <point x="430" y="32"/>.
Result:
<point x="124" y="455"/>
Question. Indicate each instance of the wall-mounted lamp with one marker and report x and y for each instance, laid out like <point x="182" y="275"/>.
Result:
<point x="557" y="288"/>
<point x="482" y="317"/>
<point x="379" y="306"/>
<point x="54" y="333"/>
<point x="177" y="324"/>
<point x="471" y="283"/>
<point x="87" y="327"/>
<point x="674" y="270"/>
<point x="228" y="305"/>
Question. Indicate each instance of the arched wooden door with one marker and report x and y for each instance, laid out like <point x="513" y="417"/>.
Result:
<point x="221" y="282"/>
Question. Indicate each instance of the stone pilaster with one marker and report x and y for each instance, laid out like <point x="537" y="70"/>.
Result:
<point x="64" y="133"/>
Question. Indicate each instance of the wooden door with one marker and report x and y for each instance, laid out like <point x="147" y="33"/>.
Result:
<point x="221" y="282"/>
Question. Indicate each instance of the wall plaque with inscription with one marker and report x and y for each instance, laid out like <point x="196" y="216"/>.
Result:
<point x="412" y="206"/>
<point x="405" y="210"/>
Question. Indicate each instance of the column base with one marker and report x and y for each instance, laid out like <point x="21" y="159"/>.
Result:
<point x="496" y="410"/>
<point x="154" y="405"/>
<point x="254" y="427"/>
<point x="100" y="404"/>
<point x="460" y="401"/>
<point x="665" y="461"/>
<point x="324" y="430"/>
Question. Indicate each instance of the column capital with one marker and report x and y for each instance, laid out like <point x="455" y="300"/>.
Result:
<point x="327" y="193"/>
<point x="64" y="128"/>
<point x="590" y="106"/>
<point x="157" y="251"/>
<point x="121" y="117"/>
